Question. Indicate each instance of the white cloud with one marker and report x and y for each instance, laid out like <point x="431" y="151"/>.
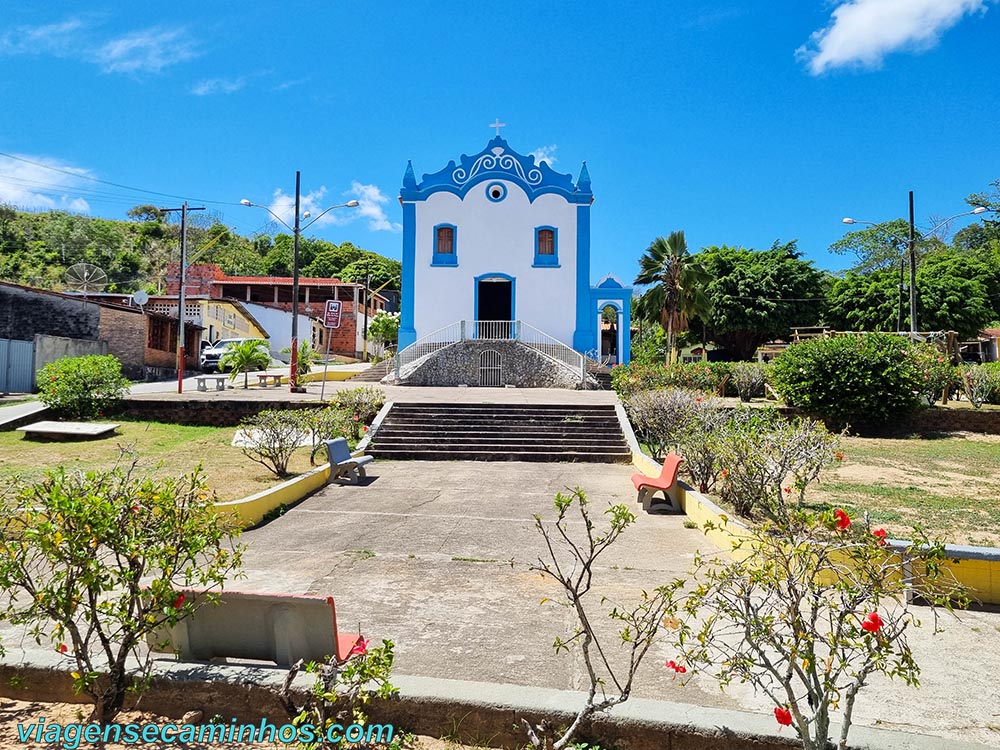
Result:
<point x="862" y="32"/>
<point x="30" y="186"/>
<point x="146" y="51"/>
<point x="371" y="201"/>
<point x="218" y="86"/>
<point x="57" y="39"/>
<point x="370" y="206"/>
<point x="544" y="153"/>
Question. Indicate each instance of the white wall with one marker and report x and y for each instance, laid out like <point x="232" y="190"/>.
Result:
<point x="278" y="325"/>
<point x="496" y="237"/>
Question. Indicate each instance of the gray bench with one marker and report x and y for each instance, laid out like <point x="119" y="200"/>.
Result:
<point x="220" y="382"/>
<point x="342" y="464"/>
<point x="68" y="430"/>
<point x="275" y="380"/>
<point x="282" y="628"/>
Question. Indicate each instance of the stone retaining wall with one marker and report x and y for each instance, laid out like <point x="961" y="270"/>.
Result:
<point x="522" y="367"/>
<point x="220" y="413"/>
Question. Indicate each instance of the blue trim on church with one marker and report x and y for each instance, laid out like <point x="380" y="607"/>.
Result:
<point x="584" y="335"/>
<point x="407" y="333"/>
<point x="497" y="161"/>
<point x="610" y="291"/>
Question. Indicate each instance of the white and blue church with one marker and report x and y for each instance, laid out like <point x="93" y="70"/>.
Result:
<point x="499" y="243"/>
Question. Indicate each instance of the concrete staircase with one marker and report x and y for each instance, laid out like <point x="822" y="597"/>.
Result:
<point x="501" y="432"/>
<point x="601" y="374"/>
<point x="373" y="374"/>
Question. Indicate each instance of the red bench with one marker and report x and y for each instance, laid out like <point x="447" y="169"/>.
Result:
<point x="649" y="486"/>
<point x="282" y="628"/>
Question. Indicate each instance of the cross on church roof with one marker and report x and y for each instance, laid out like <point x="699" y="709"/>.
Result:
<point x="498" y="125"/>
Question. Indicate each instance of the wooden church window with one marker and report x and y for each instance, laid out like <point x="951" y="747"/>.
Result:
<point x="546" y="242"/>
<point x="445" y="241"/>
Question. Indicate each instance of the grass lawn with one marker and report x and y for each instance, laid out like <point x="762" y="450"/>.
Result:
<point x="163" y="450"/>
<point x="949" y="484"/>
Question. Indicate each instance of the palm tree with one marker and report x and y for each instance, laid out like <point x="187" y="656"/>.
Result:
<point x="307" y="356"/>
<point x="678" y="291"/>
<point x="244" y="356"/>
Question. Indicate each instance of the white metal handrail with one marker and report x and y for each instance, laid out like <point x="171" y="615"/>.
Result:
<point x="406" y="359"/>
<point x="552" y="348"/>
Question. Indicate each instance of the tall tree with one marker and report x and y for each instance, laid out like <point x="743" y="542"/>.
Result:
<point x="758" y="295"/>
<point x="677" y="291"/>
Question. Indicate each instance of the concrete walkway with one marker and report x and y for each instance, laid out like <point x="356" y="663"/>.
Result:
<point x="14" y="414"/>
<point x="435" y="555"/>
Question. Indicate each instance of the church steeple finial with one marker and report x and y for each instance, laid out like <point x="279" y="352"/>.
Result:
<point x="409" y="179"/>
<point x="583" y="183"/>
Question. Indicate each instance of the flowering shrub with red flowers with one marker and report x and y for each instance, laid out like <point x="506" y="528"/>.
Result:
<point x="807" y="610"/>
<point x="936" y="374"/>
<point x="99" y="562"/>
<point x="700" y="376"/>
<point x="83" y="387"/>
<point x="341" y="691"/>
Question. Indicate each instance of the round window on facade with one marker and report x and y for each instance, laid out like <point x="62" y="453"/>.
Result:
<point x="496" y="191"/>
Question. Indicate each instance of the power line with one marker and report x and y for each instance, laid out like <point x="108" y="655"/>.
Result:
<point x="112" y="184"/>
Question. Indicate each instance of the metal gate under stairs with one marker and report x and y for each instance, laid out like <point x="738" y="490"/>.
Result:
<point x="490" y="369"/>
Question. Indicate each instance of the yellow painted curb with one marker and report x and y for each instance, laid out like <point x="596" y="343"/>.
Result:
<point x="249" y="511"/>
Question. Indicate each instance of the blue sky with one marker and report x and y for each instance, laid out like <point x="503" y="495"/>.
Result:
<point x="739" y="122"/>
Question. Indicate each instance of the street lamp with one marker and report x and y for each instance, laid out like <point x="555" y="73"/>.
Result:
<point x="293" y="376"/>
<point x="911" y="244"/>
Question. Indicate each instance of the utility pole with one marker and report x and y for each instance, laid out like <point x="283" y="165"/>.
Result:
<point x="913" y="274"/>
<point x="367" y="299"/>
<point x="180" y="294"/>
<point x="899" y="296"/>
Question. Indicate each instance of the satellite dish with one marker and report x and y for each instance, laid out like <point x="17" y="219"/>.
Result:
<point x="140" y="298"/>
<point x="86" y="278"/>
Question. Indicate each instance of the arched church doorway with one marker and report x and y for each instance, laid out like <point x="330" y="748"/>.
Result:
<point x="610" y="340"/>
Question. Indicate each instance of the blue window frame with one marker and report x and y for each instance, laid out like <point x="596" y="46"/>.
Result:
<point x="445" y="245"/>
<point x="546" y="247"/>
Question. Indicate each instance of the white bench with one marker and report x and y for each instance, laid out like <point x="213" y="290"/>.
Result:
<point x="220" y="382"/>
<point x="66" y="430"/>
<point x="282" y="628"/>
<point x="275" y="380"/>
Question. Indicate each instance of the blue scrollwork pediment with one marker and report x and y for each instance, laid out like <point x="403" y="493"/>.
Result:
<point x="497" y="161"/>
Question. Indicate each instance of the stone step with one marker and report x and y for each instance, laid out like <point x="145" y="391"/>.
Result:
<point x="509" y="431"/>
<point x="499" y="409"/>
<point x="501" y="454"/>
<point x="424" y="422"/>
<point x="382" y="441"/>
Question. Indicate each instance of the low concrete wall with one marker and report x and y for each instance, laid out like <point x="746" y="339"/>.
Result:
<point x="471" y="712"/>
<point x="208" y="412"/>
<point x="50" y="348"/>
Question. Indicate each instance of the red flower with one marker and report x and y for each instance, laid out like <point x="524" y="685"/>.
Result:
<point x="135" y="508"/>
<point x="724" y="474"/>
<point x="365" y="428"/>
<point x="839" y="455"/>
<point x="788" y="490"/>
<point x="61" y="648"/>
<point x="179" y="601"/>
<point x="678" y="668"/>
<point x="698" y="399"/>
<point x="880" y="535"/>
<point x="872" y="623"/>
<point x="843" y="520"/>
<point x="361" y="647"/>
<point x="783" y="715"/>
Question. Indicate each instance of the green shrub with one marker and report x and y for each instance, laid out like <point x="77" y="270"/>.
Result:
<point x="95" y="562"/>
<point x="361" y="404"/>
<point x="628" y="380"/>
<point x="662" y="416"/>
<point x="868" y="379"/>
<point x="935" y="372"/>
<point x="83" y="387"/>
<point x="993" y="368"/>
<point x="978" y="384"/>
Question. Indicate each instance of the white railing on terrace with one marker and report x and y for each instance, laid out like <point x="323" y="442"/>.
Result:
<point x="490" y="330"/>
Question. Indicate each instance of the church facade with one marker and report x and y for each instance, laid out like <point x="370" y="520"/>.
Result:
<point x="497" y="238"/>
